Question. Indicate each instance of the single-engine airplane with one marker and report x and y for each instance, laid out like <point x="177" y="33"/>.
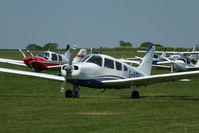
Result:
<point x="179" y="64"/>
<point x="46" y="59"/>
<point x="156" y="57"/>
<point x="103" y="71"/>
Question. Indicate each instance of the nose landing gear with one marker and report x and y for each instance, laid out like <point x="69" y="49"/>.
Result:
<point x="72" y="93"/>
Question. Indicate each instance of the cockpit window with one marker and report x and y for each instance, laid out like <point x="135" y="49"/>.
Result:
<point x="118" y="66"/>
<point x="125" y="68"/>
<point x="54" y="57"/>
<point x="85" y="58"/>
<point x="60" y="57"/>
<point x="44" y="55"/>
<point x="95" y="59"/>
<point x="108" y="63"/>
<point x="185" y="60"/>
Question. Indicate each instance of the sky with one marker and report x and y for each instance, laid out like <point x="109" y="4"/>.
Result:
<point x="95" y="23"/>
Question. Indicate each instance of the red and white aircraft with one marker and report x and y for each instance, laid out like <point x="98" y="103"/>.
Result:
<point x="102" y="71"/>
<point x="46" y="59"/>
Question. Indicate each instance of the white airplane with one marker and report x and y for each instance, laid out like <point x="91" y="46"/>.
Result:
<point x="46" y="59"/>
<point x="179" y="64"/>
<point x="156" y="57"/>
<point x="103" y="71"/>
<point x="193" y="55"/>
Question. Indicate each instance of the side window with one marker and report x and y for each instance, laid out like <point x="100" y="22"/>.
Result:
<point x="108" y="63"/>
<point x="125" y="68"/>
<point x="118" y="66"/>
<point x="44" y="55"/>
<point x="54" y="57"/>
<point x="85" y="58"/>
<point x="60" y="58"/>
<point x="95" y="59"/>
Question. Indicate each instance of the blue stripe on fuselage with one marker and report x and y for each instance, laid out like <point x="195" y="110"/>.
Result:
<point x="94" y="83"/>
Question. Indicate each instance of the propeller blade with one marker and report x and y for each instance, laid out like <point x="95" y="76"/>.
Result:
<point x="64" y="83"/>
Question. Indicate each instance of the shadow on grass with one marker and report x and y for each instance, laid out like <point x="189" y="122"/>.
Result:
<point x="173" y="97"/>
<point x="27" y="96"/>
<point x="105" y="98"/>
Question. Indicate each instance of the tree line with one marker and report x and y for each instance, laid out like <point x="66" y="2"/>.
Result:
<point x="123" y="45"/>
<point x="48" y="46"/>
<point x="144" y="44"/>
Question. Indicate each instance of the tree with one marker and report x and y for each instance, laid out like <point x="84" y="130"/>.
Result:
<point x="33" y="47"/>
<point x="123" y="43"/>
<point x="50" y="46"/>
<point x="146" y="44"/>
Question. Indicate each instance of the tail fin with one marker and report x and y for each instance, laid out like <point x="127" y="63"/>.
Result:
<point x="146" y="64"/>
<point x="100" y="50"/>
<point x="164" y="53"/>
<point x="67" y="53"/>
<point x="194" y="48"/>
<point x="82" y="53"/>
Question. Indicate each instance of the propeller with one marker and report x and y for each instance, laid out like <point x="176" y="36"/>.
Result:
<point x="68" y="70"/>
<point x="22" y="53"/>
<point x="30" y="53"/>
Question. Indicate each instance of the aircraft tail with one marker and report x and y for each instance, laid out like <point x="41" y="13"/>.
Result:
<point x="67" y="53"/>
<point x="194" y="48"/>
<point x="146" y="64"/>
<point x="164" y="53"/>
<point x="82" y="53"/>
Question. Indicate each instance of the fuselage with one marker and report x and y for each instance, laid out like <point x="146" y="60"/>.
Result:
<point x="45" y="59"/>
<point x="95" y="68"/>
<point x="183" y="64"/>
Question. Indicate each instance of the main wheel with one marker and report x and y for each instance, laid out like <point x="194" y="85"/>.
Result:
<point x="68" y="94"/>
<point x="135" y="94"/>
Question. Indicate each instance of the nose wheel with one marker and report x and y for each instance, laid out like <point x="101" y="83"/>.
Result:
<point x="72" y="93"/>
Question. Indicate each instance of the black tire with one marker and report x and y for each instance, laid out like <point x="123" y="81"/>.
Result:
<point x="135" y="94"/>
<point x="68" y="94"/>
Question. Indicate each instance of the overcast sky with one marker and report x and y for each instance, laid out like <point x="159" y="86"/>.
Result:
<point x="94" y="23"/>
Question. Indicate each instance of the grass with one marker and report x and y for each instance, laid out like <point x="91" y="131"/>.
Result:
<point x="29" y="104"/>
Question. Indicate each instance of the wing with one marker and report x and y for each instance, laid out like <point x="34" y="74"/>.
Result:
<point x="162" y="66"/>
<point x="55" y="66"/>
<point x="171" y="52"/>
<point x="33" y="74"/>
<point x="10" y="61"/>
<point x="130" y="61"/>
<point x="140" y="81"/>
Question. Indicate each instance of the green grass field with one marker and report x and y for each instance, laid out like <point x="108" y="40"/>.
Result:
<point x="30" y="105"/>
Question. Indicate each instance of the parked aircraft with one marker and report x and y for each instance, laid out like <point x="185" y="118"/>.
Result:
<point x="46" y="59"/>
<point x="179" y="64"/>
<point x="194" y="55"/>
<point x="156" y="57"/>
<point x="103" y="71"/>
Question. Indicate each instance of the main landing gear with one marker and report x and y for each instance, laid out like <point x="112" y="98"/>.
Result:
<point x="134" y="92"/>
<point x="72" y="93"/>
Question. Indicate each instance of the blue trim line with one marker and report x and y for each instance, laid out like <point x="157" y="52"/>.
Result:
<point x="149" y="48"/>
